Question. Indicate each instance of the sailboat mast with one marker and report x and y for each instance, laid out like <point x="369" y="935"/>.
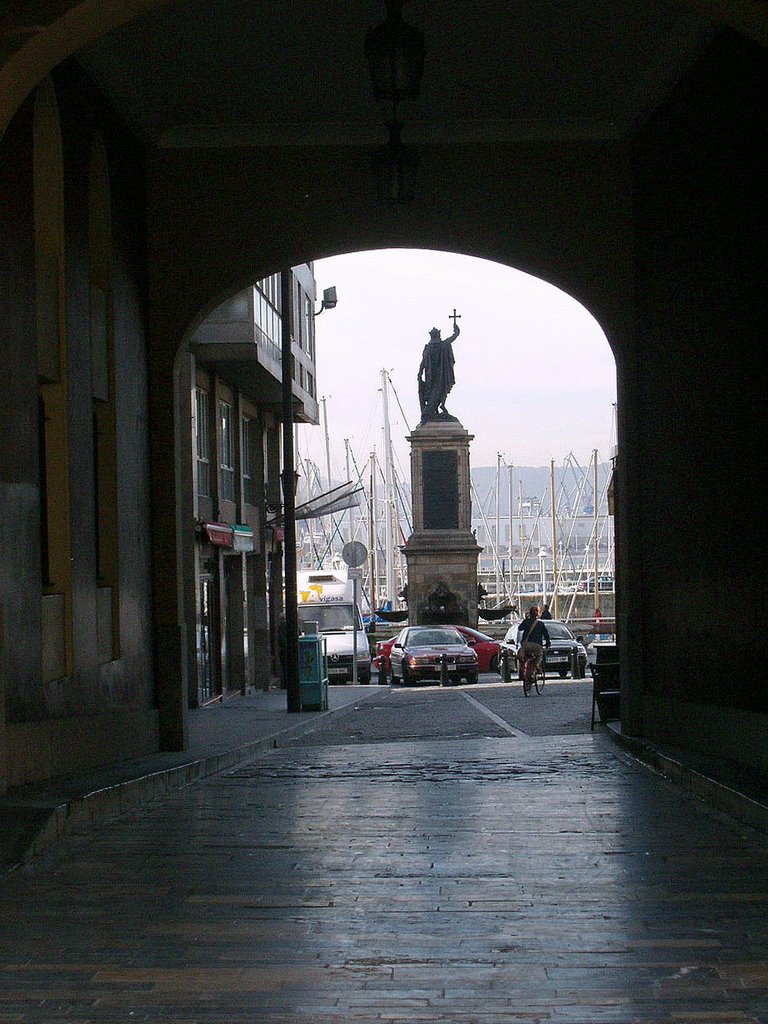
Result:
<point x="597" y="529"/>
<point x="555" y="605"/>
<point x="350" y="527"/>
<point x="523" y="543"/>
<point x="373" y="588"/>
<point x="497" y="545"/>
<point x="328" y="519"/>
<point x="389" y="506"/>
<point x="511" y="536"/>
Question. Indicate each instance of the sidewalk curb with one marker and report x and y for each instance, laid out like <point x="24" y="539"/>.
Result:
<point x="739" y="806"/>
<point x="80" y="813"/>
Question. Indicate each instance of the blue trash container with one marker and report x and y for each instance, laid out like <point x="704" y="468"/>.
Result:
<point x="313" y="673"/>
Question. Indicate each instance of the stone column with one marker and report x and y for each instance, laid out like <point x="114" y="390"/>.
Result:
<point x="173" y="539"/>
<point x="3" y="758"/>
<point x="441" y="553"/>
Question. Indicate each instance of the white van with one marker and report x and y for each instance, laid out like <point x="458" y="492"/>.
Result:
<point x="327" y="598"/>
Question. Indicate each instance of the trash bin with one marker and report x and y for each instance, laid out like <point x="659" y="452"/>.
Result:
<point x="313" y="673"/>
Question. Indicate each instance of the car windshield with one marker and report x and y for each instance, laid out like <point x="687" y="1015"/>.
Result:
<point x="431" y="637"/>
<point x="557" y="631"/>
<point x="330" y="618"/>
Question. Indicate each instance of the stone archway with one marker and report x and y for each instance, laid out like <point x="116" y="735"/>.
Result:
<point x="321" y="203"/>
<point x="36" y="37"/>
<point x="563" y="212"/>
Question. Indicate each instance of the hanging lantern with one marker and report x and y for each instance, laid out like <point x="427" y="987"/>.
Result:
<point x="395" y="53"/>
<point x="395" y="166"/>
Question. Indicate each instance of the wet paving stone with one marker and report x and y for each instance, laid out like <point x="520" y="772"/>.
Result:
<point x="547" y="880"/>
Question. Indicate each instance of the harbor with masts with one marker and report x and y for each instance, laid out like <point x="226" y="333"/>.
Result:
<point x="546" y="533"/>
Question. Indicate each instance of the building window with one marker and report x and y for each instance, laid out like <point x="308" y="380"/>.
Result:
<point x="267" y="310"/>
<point x="57" y="642"/>
<point x="226" y="453"/>
<point x="203" y="442"/>
<point x="311" y="384"/>
<point x="309" y="326"/>
<point x="45" y="569"/>
<point x="247" y="445"/>
<point x="104" y="405"/>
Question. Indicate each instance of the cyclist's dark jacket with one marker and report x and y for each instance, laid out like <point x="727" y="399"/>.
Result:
<point x="534" y="630"/>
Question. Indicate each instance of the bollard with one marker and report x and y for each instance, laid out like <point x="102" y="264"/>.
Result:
<point x="444" y="670"/>
<point x="574" y="665"/>
<point x="506" y="673"/>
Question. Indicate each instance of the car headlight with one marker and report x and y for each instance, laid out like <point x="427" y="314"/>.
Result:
<point x="466" y="659"/>
<point x="414" y="660"/>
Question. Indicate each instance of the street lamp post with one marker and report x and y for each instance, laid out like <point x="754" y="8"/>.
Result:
<point x="289" y="480"/>
<point x="292" y="683"/>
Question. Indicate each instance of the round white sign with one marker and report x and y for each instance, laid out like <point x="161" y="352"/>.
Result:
<point x="354" y="553"/>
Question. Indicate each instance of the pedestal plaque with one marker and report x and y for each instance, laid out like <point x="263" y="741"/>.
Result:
<point x="441" y="553"/>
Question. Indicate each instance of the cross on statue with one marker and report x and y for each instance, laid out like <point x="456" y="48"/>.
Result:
<point x="455" y="316"/>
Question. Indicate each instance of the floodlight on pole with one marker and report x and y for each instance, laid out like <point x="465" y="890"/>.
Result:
<point x="329" y="300"/>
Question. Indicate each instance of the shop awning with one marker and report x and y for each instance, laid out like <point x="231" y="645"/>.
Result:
<point x="219" y="534"/>
<point x="242" y="537"/>
<point x="345" y="496"/>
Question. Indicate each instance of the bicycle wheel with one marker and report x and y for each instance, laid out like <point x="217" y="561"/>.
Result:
<point x="527" y="678"/>
<point x="539" y="680"/>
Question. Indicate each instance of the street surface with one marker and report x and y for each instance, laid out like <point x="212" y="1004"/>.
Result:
<point x="427" y="855"/>
<point x="433" y="712"/>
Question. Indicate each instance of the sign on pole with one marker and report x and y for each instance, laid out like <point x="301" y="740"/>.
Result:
<point x="354" y="554"/>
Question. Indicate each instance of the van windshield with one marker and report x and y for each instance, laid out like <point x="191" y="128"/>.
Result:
<point x="330" y="618"/>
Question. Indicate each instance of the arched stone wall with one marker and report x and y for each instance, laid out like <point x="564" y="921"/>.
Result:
<point x="220" y="219"/>
<point x="568" y="213"/>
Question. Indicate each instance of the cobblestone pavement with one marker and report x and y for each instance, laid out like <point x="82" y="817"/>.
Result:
<point x="394" y="713"/>
<point x="482" y="877"/>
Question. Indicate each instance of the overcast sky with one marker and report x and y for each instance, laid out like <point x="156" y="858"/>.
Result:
<point x="514" y="328"/>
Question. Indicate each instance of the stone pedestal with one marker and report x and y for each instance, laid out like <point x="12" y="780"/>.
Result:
<point x="441" y="553"/>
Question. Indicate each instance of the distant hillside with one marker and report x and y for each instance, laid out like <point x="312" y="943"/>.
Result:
<point x="535" y="484"/>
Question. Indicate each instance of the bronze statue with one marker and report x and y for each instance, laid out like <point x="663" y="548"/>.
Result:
<point x="435" y="376"/>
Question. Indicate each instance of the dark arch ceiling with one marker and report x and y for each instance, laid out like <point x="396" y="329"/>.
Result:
<point x="242" y="72"/>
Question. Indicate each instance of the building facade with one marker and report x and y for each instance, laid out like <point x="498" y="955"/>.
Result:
<point x="79" y="658"/>
<point x="234" y="365"/>
<point x="75" y="533"/>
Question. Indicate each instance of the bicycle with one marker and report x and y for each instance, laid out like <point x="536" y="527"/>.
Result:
<point x="532" y="674"/>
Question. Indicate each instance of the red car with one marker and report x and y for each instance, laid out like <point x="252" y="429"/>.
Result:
<point x="486" y="648"/>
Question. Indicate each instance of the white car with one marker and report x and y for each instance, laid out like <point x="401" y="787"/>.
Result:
<point x="558" y="657"/>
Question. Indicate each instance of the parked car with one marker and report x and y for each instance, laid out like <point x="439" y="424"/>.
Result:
<point x="558" y="657"/>
<point x="486" y="648"/>
<point x="381" y="658"/>
<point x="509" y="647"/>
<point x="417" y="653"/>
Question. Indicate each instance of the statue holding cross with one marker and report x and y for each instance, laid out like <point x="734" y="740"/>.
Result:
<point x="435" y="376"/>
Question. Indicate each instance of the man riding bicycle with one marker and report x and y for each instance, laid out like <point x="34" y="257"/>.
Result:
<point x="534" y="638"/>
